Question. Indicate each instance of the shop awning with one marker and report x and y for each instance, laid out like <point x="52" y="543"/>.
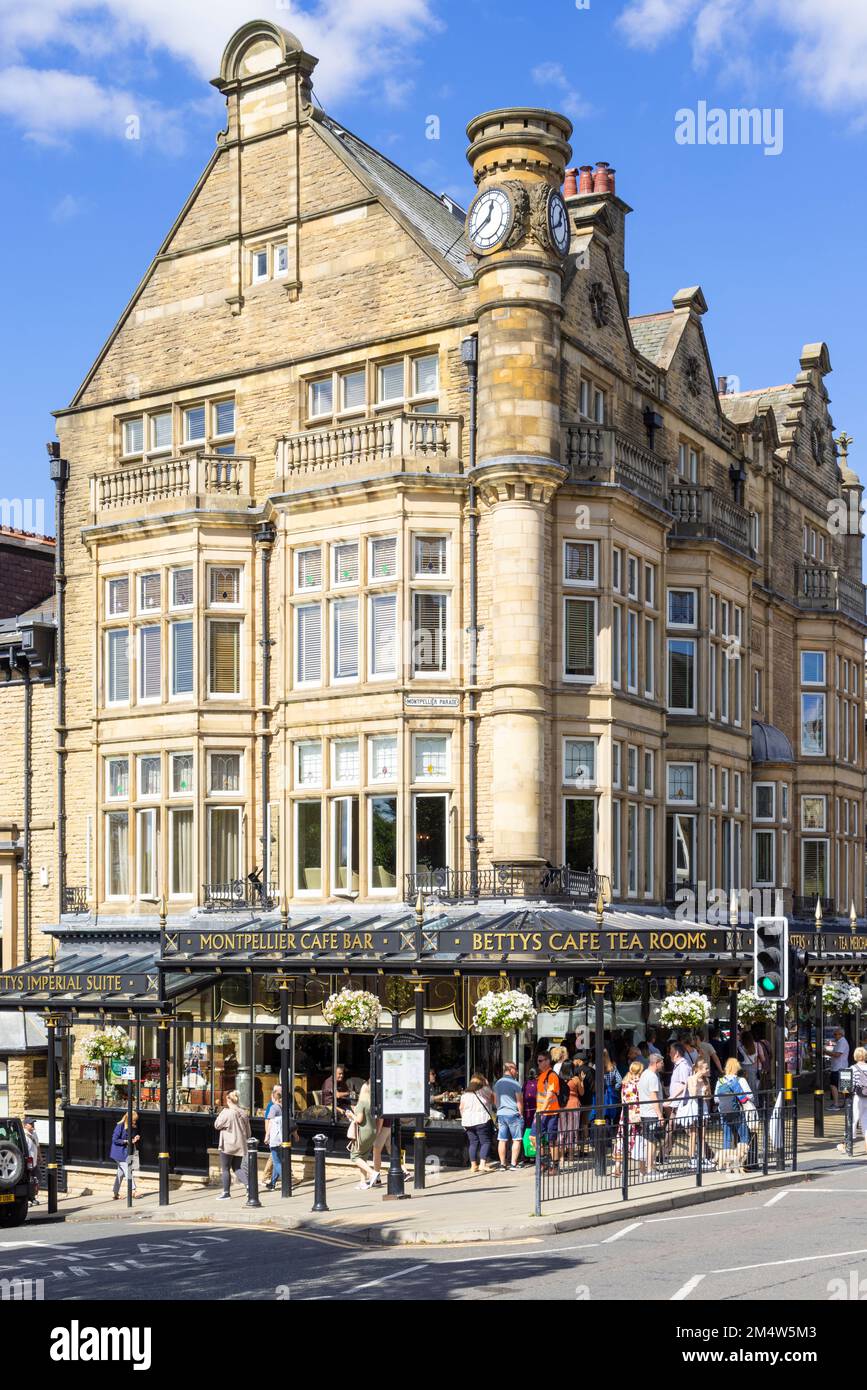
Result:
<point x="102" y="972"/>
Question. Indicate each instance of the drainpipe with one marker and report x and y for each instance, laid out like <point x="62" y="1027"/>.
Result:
<point x="265" y="537"/>
<point x="470" y="358"/>
<point x="59" y="469"/>
<point x="28" y="799"/>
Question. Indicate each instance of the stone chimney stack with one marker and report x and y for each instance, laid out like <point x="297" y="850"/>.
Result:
<point x="596" y="188"/>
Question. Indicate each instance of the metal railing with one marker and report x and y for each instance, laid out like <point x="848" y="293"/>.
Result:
<point x="600" y="453"/>
<point x="505" y="881"/>
<point x="576" y="1157"/>
<point x="74" y="900"/>
<point x="241" y="894"/>
<point x="371" y="441"/>
<point x="821" y="589"/>
<point x="700" y="512"/>
<point x="805" y="907"/>
<point x="166" y="479"/>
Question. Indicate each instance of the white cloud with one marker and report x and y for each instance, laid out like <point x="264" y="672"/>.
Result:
<point x="569" y="98"/>
<point x="52" y="106"/>
<point x="66" y="208"/>
<point x="362" y="45"/>
<point x="820" y="45"/>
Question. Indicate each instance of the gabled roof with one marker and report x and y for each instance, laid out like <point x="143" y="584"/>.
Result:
<point x="434" y="222"/>
<point x="649" y="333"/>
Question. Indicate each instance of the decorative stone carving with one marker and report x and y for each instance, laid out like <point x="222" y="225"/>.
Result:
<point x="818" y="443"/>
<point x="521" y="202"/>
<point x="693" y="376"/>
<point x="599" y="305"/>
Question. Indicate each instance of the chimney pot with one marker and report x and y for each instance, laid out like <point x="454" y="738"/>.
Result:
<point x="585" y="184"/>
<point x="600" y="177"/>
<point x="570" y="187"/>
<point x="611" y="173"/>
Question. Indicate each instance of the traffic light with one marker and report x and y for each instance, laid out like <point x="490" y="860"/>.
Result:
<point x="771" y="957"/>
<point x="798" y="961"/>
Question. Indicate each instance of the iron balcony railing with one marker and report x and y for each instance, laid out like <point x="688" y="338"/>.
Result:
<point x="240" y="895"/>
<point x="602" y="454"/>
<point x="74" y="900"/>
<point x="821" y="589"/>
<point x="804" y="907"/>
<point x="549" y="883"/>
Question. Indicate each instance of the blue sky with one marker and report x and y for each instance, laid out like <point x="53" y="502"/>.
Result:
<point x="775" y="241"/>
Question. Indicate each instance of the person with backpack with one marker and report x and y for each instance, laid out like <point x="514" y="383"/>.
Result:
<point x="477" y="1118"/>
<point x="732" y="1094"/>
<point x="552" y="1095"/>
<point x="859" y="1096"/>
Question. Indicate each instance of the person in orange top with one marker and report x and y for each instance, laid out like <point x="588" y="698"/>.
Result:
<point x="547" y="1106"/>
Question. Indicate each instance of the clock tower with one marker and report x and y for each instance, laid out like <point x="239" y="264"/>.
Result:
<point x="518" y="228"/>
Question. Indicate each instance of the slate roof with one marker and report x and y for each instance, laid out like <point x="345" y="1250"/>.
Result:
<point x="741" y="407"/>
<point x="649" y="332"/>
<point x="423" y="209"/>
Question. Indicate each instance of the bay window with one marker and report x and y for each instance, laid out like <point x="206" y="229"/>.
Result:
<point x="764" y="869"/>
<point x="383" y="635"/>
<point x="117" y="666"/>
<point x="146" y="838"/>
<point x="579" y="631"/>
<point x="813" y="724"/>
<point x="308" y="644"/>
<point x="344" y="619"/>
<point x="308" y="846"/>
<point x="681" y="675"/>
<point x="383" y="843"/>
<point x="117" y="854"/>
<point x="579" y="832"/>
<point x="430" y="620"/>
<point x="224" y="658"/>
<point x="182" y="875"/>
<point x="181" y="647"/>
<point x="224" y="844"/>
<point x="344" y="859"/>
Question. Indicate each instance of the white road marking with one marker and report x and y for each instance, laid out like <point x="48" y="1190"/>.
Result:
<point x="372" y="1283"/>
<point x="625" y="1232"/>
<point x="516" y="1254"/>
<point x="687" y="1288"/>
<point x="800" y="1260"/>
<point x="778" y="1196"/>
<point x="699" y="1215"/>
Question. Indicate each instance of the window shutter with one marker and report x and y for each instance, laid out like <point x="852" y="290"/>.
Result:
<point x="580" y="558"/>
<point x="346" y="637"/>
<point x="118" y="666"/>
<point x="310" y="569"/>
<point x="383" y="558"/>
<point x="346" y="564"/>
<point x="225" y="665"/>
<point x="150" y="675"/>
<point x="182" y="658"/>
<point x="383" y="630"/>
<point x="580" y="638"/>
<point x="429" y="636"/>
<point x="310" y="643"/>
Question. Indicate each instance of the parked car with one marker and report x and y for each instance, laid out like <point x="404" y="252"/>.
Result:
<point x="17" y="1174"/>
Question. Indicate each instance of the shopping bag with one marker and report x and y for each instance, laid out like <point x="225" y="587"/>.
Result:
<point x="529" y="1143"/>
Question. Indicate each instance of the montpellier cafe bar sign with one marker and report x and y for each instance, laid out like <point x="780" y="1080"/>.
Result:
<point x="479" y="943"/>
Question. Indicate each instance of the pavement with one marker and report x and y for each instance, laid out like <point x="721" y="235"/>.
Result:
<point x="454" y="1208"/>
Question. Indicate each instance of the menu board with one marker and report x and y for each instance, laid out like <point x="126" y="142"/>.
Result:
<point x="404" y="1089"/>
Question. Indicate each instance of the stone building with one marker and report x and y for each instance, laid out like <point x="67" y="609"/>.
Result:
<point x="391" y="552"/>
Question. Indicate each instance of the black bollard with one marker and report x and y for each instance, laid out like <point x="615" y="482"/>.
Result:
<point x="252" y="1173"/>
<point x="319" y="1144"/>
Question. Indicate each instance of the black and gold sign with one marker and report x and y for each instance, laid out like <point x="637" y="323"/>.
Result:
<point x="56" y="982"/>
<point x="476" y="943"/>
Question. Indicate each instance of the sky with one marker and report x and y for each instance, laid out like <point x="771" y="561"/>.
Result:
<point x="107" y="118"/>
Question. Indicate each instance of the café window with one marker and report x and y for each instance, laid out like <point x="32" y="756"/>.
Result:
<point x="429" y="637"/>
<point x="308" y="764"/>
<point x="345" y="764"/>
<point x="579" y="639"/>
<point x="430" y="833"/>
<point x="579" y="562"/>
<point x="117" y="855"/>
<point x="182" y="774"/>
<point x="383" y="843"/>
<point x="579" y="761"/>
<point x="344" y="819"/>
<point x="225" y="772"/>
<point x="149" y="778"/>
<point x="431" y="757"/>
<point x="383" y="758"/>
<point x="117" y="779"/>
<point x="308" y="846"/>
<point x="579" y="832"/>
<point x="764" y="870"/>
<point x="224" y="844"/>
<point x="224" y="658"/>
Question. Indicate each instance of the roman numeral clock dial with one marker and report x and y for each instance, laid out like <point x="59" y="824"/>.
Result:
<point x="490" y="220"/>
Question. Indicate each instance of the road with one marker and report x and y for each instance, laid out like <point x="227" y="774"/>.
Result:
<point x="792" y="1243"/>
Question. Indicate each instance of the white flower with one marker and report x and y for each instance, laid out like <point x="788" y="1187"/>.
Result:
<point x="688" y="1009"/>
<point x="753" y="1008"/>
<point x="356" y="1010"/>
<point x="506" y="1010"/>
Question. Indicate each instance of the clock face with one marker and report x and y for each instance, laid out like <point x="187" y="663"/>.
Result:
<point x="558" y="224"/>
<point x="489" y="219"/>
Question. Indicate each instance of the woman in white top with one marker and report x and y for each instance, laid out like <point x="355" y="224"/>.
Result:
<point x="477" y="1118"/>
<point x="859" y="1095"/>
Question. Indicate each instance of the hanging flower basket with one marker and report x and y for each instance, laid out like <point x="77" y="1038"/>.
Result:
<point x="752" y="1008"/>
<point x="108" y="1045"/>
<point x="840" y="998"/>
<point x="356" y="1010"/>
<point x="687" y="1010"/>
<point x="505" y="1011"/>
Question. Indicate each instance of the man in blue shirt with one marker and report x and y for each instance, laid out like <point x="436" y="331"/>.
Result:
<point x="509" y="1097"/>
